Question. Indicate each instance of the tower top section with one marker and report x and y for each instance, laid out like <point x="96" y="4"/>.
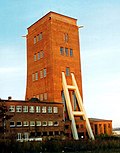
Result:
<point x="56" y="16"/>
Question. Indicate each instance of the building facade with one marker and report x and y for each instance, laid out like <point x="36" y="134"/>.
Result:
<point x="52" y="48"/>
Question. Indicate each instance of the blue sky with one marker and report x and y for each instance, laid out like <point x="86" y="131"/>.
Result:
<point x="100" y="49"/>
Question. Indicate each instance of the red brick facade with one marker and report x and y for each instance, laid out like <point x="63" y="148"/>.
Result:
<point x="59" y="43"/>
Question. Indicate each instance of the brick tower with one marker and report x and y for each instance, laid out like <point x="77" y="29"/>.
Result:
<point x="52" y="48"/>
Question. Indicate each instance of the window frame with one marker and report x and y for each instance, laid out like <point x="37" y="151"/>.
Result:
<point x="18" y="109"/>
<point x="12" y="108"/>
<point x="31" y="109"/>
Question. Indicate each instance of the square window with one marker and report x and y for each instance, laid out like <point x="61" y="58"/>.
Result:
<point x="37" y="109"/>
<point x="25" y="123"/>
<point x="49" y="109"/>
<point x="50" y="123"/>
<point x="19" y="123"/>
<point x="56" y="123"/>
<point x="12" y="108"/>
<point x="44" y="123"/>
<point x="25" y="109"/>
<point x="44" y="109"/>
<point x="32" y="123"/>
<point x="26" y="135"/>
<point x="67" y="71"/>
<point x="12" y="124"/>
<point x="55" y="109"/>
<point x="18" y="109"/>
<point x="31" y="109"/>
<point x="38" y="123"/>
<point x="66" y="51"/>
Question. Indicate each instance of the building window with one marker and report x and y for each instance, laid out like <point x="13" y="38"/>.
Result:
<point x="12" y="108"/>
<point x="35" y="57"/>
<point x="36" y="76"/>
<point x="45" y="96"/>
<point x="32" y="123"/>
<point x="40" y="36"/>
<point x="41" y="74"/>
<point x="25" y="109"/>
<point x="38" y="123"/>
<point x="56" y="123"/>
<point x="33" y="77"/>
<point x="44" y="123"/>
<point x="41" y="54"/>
<point x="66" y="51"/>
<point x="67" y="71"/>
<point x="18" y="109"/>
<point x="19" y="136"/>
<point x="61" y="51"/>
<point x="55" y="110"/>
<point x="31" y="109"/>
<point x="19" y="123"/>
<point x="50" y="123"/>
<point x="38" y="55"/>
<point x="35" y="40"/>
<point x="25" y="123"/>
<point x="44" y="109"/>
<point x="44" y="72"/>
<point x="66" y="37"/>
<point x="37" y="109"/>
<point x="49" y="109"/>
<point x="26" y="136"/>
<point x="71" y="52"/>
<point x="41" y="97"/>
<point x="12" y="124"/>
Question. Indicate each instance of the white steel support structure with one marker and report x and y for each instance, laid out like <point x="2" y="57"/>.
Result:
<point x="72" y="113"/>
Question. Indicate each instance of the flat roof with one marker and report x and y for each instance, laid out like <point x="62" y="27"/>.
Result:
<point x="51" y="12"/>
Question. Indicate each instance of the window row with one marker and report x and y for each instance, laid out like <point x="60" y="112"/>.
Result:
<point x="33" y="109"/>
<point x="43" y="74"/>
<point x="33" y="123"/>
<point x="39" y="55"/>
<point x="66" y="51"/>
<point x="42" y="96"/>
<point x="38" y="38"/>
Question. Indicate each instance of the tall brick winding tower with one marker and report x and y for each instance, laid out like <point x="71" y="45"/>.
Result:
<point x="52" y="48"/>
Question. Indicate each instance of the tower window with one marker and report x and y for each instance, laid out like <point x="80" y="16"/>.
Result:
<point x="41" y="54"/>
<point x="38" y="55"/>
<point x="66" y="51"/>
<point x="41" y="74"/>
<point x="40" y="36"/>
<point x="35" y="57"/>
<point x="66" y="37"/>
<point x="36" y="76"/>
<point x="71" y="52"/>
<point x="44" y="72"/>
<point x="33" y="77"/>
<point x="35" y="40"/>
<point x="61" y="51"/>
<point x="67" y="71"/>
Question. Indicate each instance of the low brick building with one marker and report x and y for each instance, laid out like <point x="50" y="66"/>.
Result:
<point x="32" y="119"/>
